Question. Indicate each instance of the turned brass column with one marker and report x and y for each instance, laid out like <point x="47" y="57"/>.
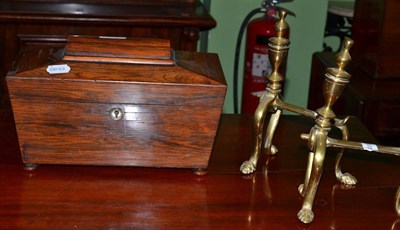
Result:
<point x="335" y="82"/>
<point x="277" y="53"/>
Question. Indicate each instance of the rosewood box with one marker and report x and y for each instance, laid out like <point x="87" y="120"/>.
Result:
<point x="116" y="101"/>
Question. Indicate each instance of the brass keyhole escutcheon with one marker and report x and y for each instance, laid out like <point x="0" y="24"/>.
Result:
<point x="116" y="114"/>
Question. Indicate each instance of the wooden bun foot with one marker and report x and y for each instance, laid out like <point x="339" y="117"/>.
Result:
<point x="200" y="171"/>
<point x="30" y="167"/>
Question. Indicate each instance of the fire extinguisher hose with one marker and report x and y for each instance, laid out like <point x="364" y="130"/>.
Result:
<point x="237" y="56"/>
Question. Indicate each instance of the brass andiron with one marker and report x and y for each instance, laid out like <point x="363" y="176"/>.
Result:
<point x="271" y="101"/>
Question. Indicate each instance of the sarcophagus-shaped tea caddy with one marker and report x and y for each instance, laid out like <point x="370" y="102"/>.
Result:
<point x="117" y="102"/>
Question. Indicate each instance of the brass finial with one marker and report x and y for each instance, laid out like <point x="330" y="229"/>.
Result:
<point x="336" y="80"/>
<point x="281" y="26"/>
<point x="343" y="57"/>
<point x="279" y="41"/>
<point x="278" y="49"/>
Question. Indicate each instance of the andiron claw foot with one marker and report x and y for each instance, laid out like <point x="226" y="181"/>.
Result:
<point x="247" y="167"/>
<point x="305" y="215"/>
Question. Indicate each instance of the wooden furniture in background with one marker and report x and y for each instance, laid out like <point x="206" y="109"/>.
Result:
<point x="373" y="93"/>
<point x="51" y="21"/>
<point x="87" y="197"/>
<point x="376" y="34"/>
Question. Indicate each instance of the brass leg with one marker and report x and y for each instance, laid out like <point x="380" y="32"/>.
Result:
<point x="273" y="122"/>
<point x="397" y="201"/>
<point x="303" y="187"/>
<point x="306" y="214"/>
<point x="265" y="102"/>
<point x="396" y="224"/>
<point x="344" y="178"/>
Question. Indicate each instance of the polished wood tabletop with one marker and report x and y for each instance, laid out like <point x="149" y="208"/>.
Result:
<point x="87" y="197"/>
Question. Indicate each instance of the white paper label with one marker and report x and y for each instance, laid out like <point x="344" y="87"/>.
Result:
<point x="58" y="69"/>
<point x="369" y="147"/>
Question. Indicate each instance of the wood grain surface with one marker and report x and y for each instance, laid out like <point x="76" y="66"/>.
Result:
<point x="87" y="197"/>
<point x="119" y="50"/>
<point x="169" y="118"/>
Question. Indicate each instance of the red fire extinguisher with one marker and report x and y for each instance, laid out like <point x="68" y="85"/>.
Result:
<point x="257" y="64"/>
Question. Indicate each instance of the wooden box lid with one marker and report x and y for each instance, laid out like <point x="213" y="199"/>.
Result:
<point x="114" y="59"/>
<point x="118" y="50"/>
